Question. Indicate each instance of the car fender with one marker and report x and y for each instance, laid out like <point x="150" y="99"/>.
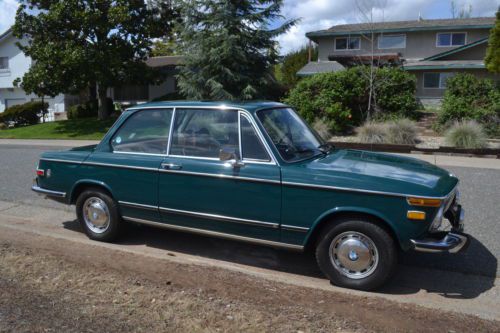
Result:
<point x="352" y="209"/>
<point x="88" y="182"/>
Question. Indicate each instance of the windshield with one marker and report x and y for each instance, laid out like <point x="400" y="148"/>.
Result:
<point x="293" y="139"/>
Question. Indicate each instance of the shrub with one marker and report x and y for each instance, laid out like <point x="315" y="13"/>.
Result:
<point x="24" y="114"/>
<point x="466" y="134"/>
<point x="322" y="127"/>
<point x="3" y="126"/>
<point x="402" y="132"/>
<point x="372" y="132"/>
<point x="468" y="97"/>
<point x="342" y="97"/>
<point x="85" y="110"/>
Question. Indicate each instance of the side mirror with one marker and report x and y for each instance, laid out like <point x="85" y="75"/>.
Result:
<point x="229" y="155"/>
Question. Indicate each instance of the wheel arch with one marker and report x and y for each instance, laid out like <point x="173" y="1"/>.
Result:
<point x="340" y="212"/>
<point x="81" y="185"/>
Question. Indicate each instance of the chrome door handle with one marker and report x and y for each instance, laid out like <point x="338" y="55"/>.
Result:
<point x="171" y="166"/>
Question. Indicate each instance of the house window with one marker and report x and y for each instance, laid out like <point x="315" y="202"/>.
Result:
<point x="4" y="62"/>
<point x="347" y="43"/>
<point x="131" y="93"/>
<point x="436" y="80"/>
<point x="392" y="42"/>
<point x="451" y="39"/>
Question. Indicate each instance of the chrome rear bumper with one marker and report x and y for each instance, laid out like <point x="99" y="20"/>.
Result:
<point x="50" y="193"/>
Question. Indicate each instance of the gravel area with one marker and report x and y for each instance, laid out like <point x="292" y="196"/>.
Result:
<point x="424" y="141"/>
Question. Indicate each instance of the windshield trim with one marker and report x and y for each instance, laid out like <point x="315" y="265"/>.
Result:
<point x="276" y="150"/>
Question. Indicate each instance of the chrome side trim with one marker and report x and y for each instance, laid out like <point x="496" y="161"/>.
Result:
<point x="119" y="166"/>
<point x="350" y="189"/>
<point x="222" y="176"/>
<point x="134" y="153"/>
<point x="136" y="205"/>
<point x="61" y="161"/>
<point x="216" y="234"/>
<point x="220" y="217"/>
<point x="51" y="193"/>
<point x="294" y="228"/>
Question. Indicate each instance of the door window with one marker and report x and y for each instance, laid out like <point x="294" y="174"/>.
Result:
<point x="145" y="131"/>
<point x="251" y="146"/>
<point x="203" y="133"/>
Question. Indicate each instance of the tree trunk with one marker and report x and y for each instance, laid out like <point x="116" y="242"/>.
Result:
<point x="103" y="112"/>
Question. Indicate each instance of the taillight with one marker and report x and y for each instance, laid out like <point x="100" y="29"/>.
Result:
<point x="40" y="172"/>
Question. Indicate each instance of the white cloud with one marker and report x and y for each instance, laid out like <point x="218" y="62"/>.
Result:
<point x="7" y="13"/>
<point x="322" y="14"/>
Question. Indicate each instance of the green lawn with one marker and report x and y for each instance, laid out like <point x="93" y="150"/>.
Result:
<point x="77" y="129"/>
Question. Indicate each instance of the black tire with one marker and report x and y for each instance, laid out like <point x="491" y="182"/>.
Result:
<point x="356" y="230"/>
<point x="113" y="226"/>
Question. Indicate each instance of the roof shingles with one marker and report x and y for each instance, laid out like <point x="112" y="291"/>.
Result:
<point x="475" y="22"/>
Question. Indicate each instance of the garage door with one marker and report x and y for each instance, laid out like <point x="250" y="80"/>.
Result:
<point x="14" y="101"/>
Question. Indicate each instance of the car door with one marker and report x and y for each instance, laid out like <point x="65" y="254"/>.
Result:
<point x="198" y="190"/>
<point x="128" y="163"/>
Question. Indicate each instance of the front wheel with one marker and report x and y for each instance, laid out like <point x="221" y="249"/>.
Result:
<point x="356" y="253"/>
<point x="98" y="215"/>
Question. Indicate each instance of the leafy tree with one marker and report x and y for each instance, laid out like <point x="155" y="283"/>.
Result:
<point x="492" y="59"/>
<point x="229" y="48"/>
<point x="292" y="63"/>
<point x="164" y="48"/>
<point x="80" y="43"/>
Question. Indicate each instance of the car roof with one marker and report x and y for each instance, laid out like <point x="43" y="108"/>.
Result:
<point x="250" y="106"/>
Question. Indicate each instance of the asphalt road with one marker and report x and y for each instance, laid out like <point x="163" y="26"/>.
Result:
<point x="480" y="190"/>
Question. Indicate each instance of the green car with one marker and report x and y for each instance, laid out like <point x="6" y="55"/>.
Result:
<point x="256" y="172"/>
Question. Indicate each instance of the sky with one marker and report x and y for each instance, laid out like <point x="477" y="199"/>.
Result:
<point x="322" y="14"/>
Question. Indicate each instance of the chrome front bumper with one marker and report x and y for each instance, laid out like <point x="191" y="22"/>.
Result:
<point x="453" y="241"/>
<point x="450" y="242"/>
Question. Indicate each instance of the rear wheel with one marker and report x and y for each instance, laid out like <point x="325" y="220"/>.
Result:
<point x="98" y="215"/>
<point x="356" y="253"/>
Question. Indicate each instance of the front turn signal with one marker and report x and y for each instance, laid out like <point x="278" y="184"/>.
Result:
<point x="415" y="215"/>
<point x="424" y="202"/>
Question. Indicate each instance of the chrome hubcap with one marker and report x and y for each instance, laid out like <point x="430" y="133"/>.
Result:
<point x="354" y="254"/>
<point x="96" y="215"/>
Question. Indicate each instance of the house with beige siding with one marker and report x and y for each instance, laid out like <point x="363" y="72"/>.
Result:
<point x="433" y="50"/>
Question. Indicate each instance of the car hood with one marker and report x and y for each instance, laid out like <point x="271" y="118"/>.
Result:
<point x="363" y="170"/>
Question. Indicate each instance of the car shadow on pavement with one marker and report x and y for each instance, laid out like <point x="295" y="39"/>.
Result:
<point x="413" y="273"/>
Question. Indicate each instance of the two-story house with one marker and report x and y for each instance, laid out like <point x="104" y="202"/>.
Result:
<point x="13" y="65"/>
<point x="431" y="49"/>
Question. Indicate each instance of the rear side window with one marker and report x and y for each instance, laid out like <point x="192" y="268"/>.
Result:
<point x="145" y="131"/>
<point x="251" y="145"/>
<point x="204" y="132"/>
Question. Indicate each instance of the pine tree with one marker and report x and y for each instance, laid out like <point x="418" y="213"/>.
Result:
<point x="492" y="59"/>
<point x="229" y="48"/>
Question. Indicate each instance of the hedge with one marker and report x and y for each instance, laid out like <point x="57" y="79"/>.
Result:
<point x="24" y="114"/>
<point x="341" y="98"/>
<point x="468" y="97"/>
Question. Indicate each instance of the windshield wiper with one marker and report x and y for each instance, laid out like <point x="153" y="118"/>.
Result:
<point x="326" y="147"/>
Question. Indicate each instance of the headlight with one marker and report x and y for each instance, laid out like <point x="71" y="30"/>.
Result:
<point x="438" y="220"/>
<point x="457" y="197"/>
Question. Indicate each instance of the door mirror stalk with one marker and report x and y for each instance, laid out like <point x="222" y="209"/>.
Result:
<point x="230" y="157"/>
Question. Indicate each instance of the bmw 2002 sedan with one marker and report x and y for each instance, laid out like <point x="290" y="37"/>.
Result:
<point x="256" y="172"/>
